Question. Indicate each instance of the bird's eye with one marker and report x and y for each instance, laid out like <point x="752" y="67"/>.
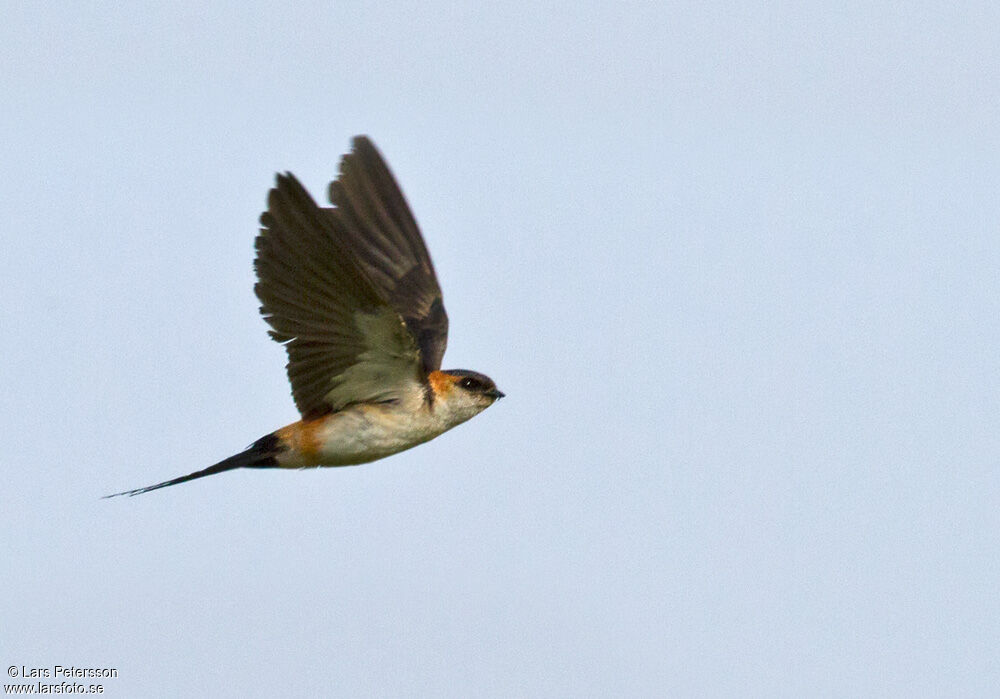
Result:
<point x="468" y="383"/>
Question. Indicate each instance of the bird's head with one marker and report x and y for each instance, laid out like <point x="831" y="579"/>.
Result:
<point x="465" y="393"/>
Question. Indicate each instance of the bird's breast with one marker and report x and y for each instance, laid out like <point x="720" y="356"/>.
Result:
<point x="358" y="434"/>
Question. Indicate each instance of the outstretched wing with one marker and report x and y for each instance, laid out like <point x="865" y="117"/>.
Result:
<point x="349" y="290"/>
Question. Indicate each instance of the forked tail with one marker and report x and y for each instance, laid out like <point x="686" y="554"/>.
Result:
<point x="261" y="454"/>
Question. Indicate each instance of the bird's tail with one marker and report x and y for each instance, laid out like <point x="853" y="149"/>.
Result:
<point x="261" y="454"/>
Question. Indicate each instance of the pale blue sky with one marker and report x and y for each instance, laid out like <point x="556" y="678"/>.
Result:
<point x="734" y="264"/>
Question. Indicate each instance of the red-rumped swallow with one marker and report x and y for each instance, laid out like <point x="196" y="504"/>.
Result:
<point x="351" y="293"/>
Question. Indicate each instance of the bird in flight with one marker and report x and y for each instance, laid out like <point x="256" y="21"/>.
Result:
<point x="351" y="293"/>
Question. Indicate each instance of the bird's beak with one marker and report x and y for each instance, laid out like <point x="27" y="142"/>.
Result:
<point x="496" y="394"/>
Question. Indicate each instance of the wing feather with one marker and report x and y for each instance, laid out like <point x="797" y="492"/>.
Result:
<point x="377" y="224"/>
<point x="350" y="290"/>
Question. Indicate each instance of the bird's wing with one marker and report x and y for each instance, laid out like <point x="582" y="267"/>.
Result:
<point x="349" y="290"/>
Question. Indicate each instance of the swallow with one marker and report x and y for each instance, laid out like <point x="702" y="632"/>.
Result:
<point x="351" y="293"/>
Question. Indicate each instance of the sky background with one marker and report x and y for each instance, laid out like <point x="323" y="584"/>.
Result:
<point x="734" y="264"/>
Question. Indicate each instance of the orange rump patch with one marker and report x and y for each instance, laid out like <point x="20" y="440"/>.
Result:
<point x="303" y="438"/>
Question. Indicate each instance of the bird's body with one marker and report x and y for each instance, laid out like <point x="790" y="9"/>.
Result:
<point x="351" y="293"/>
<point x="370" y="431"/>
